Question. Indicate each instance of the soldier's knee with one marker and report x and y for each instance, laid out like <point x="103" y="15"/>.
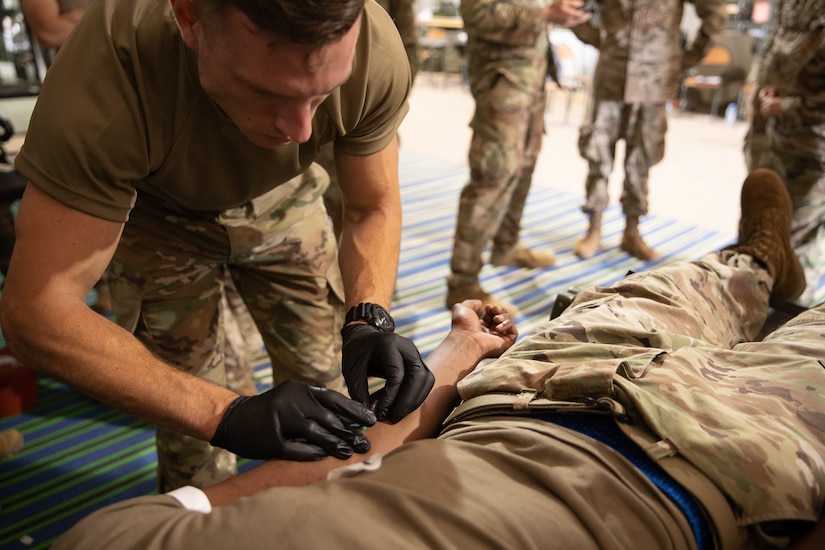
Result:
<point x="493" y="162"/>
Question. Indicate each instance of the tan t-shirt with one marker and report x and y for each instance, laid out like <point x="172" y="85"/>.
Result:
<point x="68" y="5"/>
<point x="122" y="110"/>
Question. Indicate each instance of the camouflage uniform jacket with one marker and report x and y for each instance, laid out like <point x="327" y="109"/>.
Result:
<point x="793" y="60"/>
<point x="505" y="38"/>
<point x="640" y="53"/>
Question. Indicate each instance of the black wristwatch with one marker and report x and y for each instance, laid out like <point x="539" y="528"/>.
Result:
<point x="373" y="314"/>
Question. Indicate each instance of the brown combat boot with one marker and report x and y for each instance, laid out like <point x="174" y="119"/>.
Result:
<point x="765" y="231"/>
<point x="632" y="241"/>
<point x="521" y="256"/>
<point x="589" y="244"/>
<point x="459" y="289"/>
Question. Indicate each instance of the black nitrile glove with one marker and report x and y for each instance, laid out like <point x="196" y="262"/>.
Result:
<point x="294" y="421"/>
<point x="369" y="352"/>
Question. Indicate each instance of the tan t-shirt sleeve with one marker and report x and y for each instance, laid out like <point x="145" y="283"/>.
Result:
<point x="374" y="102"/>
<point x="86" y="142"/>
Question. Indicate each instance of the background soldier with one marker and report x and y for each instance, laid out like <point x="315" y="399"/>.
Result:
<point x="640" y="61"/>
<point x="507" y="64"/>
<point x="787" y="131"/>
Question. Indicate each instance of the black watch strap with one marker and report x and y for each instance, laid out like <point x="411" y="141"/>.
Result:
<point x="373" y="314"/>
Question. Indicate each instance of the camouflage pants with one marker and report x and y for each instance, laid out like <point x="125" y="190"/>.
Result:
<point x="243" y="342"/>
<point x="680" y="305"/>
<point x="508" y="128"/>
<point x="643" y="128"/>
<point x="167" y="281"/>
<point x="801" y="165"/>
<point x="755" y="143"/>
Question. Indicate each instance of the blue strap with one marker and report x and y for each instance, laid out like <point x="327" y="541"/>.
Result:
<point x="604" y="429"/>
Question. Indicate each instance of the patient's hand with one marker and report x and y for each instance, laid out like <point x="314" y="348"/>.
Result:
<point x="491" y="328"/>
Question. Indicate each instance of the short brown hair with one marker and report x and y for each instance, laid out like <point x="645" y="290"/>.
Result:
<point x="314" y="22"/>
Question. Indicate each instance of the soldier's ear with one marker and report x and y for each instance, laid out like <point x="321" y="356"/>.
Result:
<point x="186" y="15"/>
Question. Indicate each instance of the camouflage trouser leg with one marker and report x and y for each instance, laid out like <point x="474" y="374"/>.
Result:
<point x="287" y="271"/>
<point x="597" y="145"/>
<point x="808" y="229"/>
<point x="500" y="125"/>
<point x="167" y="280"/>
<point x="508" y="232"/>
<point x="755" y="142"/>
<point x="803" y="171"/>
<point x="812" y="255"/>
<point x="716" y="302"/>
<point x="644" y="129"/>
<point x="243" y="342"/>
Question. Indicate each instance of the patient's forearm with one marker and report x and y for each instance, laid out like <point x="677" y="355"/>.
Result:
<point x="450" y="361"/>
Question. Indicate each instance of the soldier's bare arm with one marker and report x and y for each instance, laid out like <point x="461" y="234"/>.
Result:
<point x="59" y="254"/>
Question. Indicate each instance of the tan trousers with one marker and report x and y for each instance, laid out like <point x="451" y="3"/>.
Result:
<point x="496" y="483"/>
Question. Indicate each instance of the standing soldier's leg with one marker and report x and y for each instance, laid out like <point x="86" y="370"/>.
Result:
<point x="496" y="150"/>
<point x="646" y="126"/>
<point x="597" y="145"/>
<point x="805" y="179"/>
<point x="800" y="162"/>
<point x="756" y="142"/>
<point x="506" y="247"/>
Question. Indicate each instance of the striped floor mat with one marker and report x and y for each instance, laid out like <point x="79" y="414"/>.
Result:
<point x="80" y="455"/>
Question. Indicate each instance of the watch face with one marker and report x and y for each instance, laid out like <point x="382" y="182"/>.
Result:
<point x="382" y="322"/>
<point x="373" y="314"/>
